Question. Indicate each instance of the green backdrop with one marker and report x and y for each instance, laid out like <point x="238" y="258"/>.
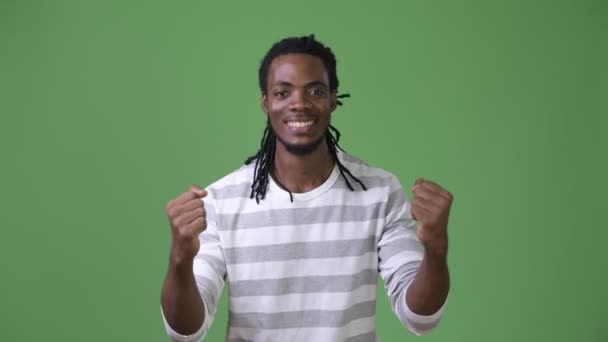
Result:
<point x="111" y="108"/>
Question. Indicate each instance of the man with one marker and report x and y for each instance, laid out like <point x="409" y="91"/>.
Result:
<point x="303" y="229"/>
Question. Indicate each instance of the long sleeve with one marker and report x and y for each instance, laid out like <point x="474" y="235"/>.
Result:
<point x="209" y="270"/>
<point x="400" y="256"/>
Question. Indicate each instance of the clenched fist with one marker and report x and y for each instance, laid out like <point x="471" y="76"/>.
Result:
<point x="431" y="208"/>
<point x="188" y="219"/>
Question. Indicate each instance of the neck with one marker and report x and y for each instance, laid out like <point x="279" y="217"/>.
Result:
<point x="300" y="174"/>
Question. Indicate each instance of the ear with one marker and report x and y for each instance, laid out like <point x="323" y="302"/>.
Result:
<point x="264" y="103"/>
<point x="334" y="101"/>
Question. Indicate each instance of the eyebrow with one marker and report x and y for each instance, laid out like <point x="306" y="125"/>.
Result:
<point x="308" y="84"/>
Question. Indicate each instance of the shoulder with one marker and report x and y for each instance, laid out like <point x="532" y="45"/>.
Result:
<point x="237" y="183"/>
<point x="370" y="175"/>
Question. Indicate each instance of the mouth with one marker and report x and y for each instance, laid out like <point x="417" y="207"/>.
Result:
<point x="299" y="123"/>
<point x="303" y="126"/>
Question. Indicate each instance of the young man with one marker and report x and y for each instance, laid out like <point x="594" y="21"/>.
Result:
<point x="303" y="229"/>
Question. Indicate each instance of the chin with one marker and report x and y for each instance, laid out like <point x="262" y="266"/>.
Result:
<point x="302" y="149"/>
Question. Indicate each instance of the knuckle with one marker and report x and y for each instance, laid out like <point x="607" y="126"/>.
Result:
<point x="179" y="232"/>
<point x="170" y="205"/>
<point x="184" y="232"/>
<point x="188" y="206"/>
<point x="180" y="222"/>
<point x="198" y="203"/>
<point x="173" y="212"/>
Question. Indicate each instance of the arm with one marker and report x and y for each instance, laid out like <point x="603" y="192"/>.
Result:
<point x="431" y="207"/>
<point x="428" y="292"/>
<point x="416" y="277"/>
<point x="182" y="306"/>
<point x="195" y="278"/>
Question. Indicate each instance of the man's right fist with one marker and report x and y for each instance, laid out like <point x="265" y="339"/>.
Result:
<point x="188" y="219"/>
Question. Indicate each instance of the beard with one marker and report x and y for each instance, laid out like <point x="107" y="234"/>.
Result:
<point x="303" y="149"/>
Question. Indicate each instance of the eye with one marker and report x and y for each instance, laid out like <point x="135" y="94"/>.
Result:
<point x="317" y="92"/>
<point x="281" y="93"/>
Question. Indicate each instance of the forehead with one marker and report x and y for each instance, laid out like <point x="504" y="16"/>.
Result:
<point x="297" y="68"/>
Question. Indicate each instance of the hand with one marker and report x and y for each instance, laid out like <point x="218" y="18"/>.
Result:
<point x="188" y="219"/>
<point x="431" y="208"/>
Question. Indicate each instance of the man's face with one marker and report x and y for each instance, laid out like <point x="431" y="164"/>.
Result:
<point x="298" y="101"/>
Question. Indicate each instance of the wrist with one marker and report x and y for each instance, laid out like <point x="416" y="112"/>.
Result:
<point x="438" y="249"/>
<point x="179" y="262"/>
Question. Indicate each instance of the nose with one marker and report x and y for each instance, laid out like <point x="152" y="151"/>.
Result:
<point x="299" y="101"/>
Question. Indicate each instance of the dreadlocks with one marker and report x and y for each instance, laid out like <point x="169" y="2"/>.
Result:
<point x="264" y="158"/>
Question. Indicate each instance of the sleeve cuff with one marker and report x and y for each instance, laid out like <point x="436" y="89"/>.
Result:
<point x="177" y="337"/>
<point x="420" y="324"/>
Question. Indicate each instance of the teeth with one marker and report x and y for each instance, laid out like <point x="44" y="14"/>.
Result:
<point x="300" y="123"/>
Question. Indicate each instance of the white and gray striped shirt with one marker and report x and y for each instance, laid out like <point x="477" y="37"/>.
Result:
<point x="307" y="270"/>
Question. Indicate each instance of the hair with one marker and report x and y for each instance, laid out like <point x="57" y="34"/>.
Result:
<point x="264" y="158"/>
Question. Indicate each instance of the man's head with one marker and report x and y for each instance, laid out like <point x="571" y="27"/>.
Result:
<point x="299" y="87"/>
<point x="298" y="83"/>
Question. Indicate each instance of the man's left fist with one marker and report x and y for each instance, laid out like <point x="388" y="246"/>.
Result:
<point x="431" y="208"/>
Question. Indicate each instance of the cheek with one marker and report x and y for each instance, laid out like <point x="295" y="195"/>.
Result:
<point x="323" y="105"/>
<point x="276" y="107"/>
<point x="274" y="114"/>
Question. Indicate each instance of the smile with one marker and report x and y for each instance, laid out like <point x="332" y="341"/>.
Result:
<point x="297" y="124"/>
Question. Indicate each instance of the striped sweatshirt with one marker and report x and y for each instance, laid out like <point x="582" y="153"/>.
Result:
<point x="307" y="270"/>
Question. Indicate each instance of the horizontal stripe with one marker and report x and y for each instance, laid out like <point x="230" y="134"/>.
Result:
<point x="303" y="301"/>
<point x="300" y="250"/>
<point x="395" y="232"/>
<point x="300" y="216"/>
<point x="409" y="259"/>
<point x="201" y="269"/>
<point x="370" y="182"/>
<point x="234" y="191"/>
<point x="302" y="233"/>
<point x="217" y="265"/>
<point x="303" y="267"/>
<point x="387" y="251"/>
<point x="209" y="291"/>
<point x="273" y="287"/>
<point x="242" y="191"/>
<point x="354" y="328"/>
<point x="302" y="319"/>
<point x="350" y="159"/>
<point x="334" y="196"/>
<point x="395" y="284"/>
<point x="209" y="239"/>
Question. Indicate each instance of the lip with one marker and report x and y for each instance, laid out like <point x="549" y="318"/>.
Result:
<point x="299" y="118"/>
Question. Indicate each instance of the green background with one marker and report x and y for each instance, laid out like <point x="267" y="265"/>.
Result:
<point x="111" y="108"/>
